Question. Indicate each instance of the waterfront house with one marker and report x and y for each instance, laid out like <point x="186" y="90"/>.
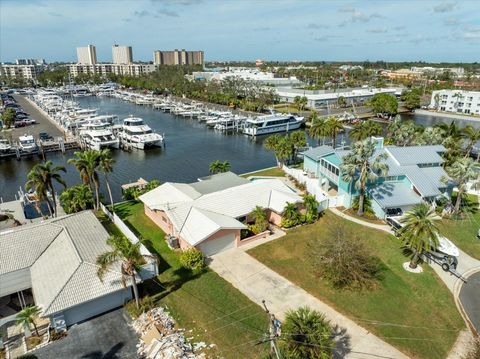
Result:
<point x="55" y="263"/>
<point x="415" y="174"/>
<point x="210" y="214"/>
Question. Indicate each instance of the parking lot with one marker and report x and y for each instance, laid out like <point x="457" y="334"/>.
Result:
<point x="43" y="124"/>
<point x="107" y="336"/>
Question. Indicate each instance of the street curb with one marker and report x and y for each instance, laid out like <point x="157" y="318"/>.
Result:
<point x="456" y="291"/>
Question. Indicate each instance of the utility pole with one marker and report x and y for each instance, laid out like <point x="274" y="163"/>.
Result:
<point x="274" y="331"/>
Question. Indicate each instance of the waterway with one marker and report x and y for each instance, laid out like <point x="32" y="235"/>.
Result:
<point x="190" y="148"/>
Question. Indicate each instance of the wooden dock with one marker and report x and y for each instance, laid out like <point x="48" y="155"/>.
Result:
<point x="43" y="147"/>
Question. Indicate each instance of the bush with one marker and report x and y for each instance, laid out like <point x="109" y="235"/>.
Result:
<point x="344" y="261"/>
<point x="146" y="303"/>
<point x="192" y="259"/>
<point x="367" y="206"/>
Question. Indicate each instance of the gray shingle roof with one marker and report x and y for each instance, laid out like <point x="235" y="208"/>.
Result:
<point x="394" y="194"/>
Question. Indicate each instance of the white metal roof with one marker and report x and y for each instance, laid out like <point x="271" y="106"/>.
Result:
<point x="198" y="218"/>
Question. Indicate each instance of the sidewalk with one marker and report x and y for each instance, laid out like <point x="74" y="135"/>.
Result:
<point x="258" y="283"/>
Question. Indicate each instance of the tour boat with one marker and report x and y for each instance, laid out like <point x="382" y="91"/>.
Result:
<point x="137" y="134"/>
<point x="264" y="125"/>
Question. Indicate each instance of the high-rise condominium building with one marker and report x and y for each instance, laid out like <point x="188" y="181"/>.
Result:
<point x="122" y="54"/>
<point x="87" y="55"/>
<point x="178" y="57"/>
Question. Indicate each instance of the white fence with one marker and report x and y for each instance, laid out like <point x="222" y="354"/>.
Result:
<point x="150" y="269"/>
<point x="312" y="185"/>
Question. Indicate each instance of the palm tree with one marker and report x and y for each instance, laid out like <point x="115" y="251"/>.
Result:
<point x="311" y="207"/>
<point x="271" y="144"/>
<point x="261" y="221"/>
<point x="77" y="198"/>
<point x="430" y="136"/>
<point x="87" y="164"/>
<point x="451" y="130"/>
<point x="219" y="167"/>
<point x="106" y="162"/>
<point x="298" y="140"/>
<point x="290" y="215"/>
<point x="437" y="101"/>
<point x="419" y="231"/>
<point x="473" y="136"/>
<point x="41" y="178"/>
<point x="318" y="129"/>
<point x="365" y="130"/>
<point x="462" y="172"/>
<point x="360" y="167"/>
<point x="334" y="127"/>
<point x="306" y="333"/>
<point x="28" y="315"/>
<point x="131" y="260"/>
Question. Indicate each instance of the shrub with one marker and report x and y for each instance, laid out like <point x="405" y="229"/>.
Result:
<point x="261" y="221"/>
<point x="192" y="259"/>
<point x="307" y="334"/>
<point x="367" y="206"/>
<point x="290" y="216"/>
<point x="146" y="303"/>
<point x="344" y="261"/>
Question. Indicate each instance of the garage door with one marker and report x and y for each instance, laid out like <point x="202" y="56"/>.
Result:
<point x="217" y="245"/>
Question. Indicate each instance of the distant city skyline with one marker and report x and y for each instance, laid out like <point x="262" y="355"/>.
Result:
<point x="431" y="31"/>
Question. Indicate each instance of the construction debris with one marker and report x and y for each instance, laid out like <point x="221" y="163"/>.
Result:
<point x="160" y="340"/>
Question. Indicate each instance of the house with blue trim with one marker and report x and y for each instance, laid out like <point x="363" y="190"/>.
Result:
<point x="415" y="174"/>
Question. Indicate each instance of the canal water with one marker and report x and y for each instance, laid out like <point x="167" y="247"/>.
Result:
<point x="190" y="148"/>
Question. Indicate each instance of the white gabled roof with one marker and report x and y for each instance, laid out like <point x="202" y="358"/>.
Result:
<point x="169" y="193"/>
<point x="195" y="219"/>
<point x="61" y="254"/>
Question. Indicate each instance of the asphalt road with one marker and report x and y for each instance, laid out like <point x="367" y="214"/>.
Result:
<point x="43" y="123"/>
<point x="105" y="337"/>
<point x="470" y="298"/>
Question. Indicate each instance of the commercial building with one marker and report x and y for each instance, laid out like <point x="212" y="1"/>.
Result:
<point x="87" y="55"/>
<point x="26" y="72"/>
<point x="415" y="173"/>
<point x="456" y="71"/>
<point x="402" y="74"/>
<point x="323" y="98"/>
<point x="457" y="101"/>
<point x="53" y="265"/>
<point x="245" y="73"/>
<point x="210" y="214"/>
<point x="122" y="55"/>
<point x="178" y="57"/>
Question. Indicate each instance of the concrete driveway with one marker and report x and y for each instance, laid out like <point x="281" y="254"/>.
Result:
<point x="259" y="282"/>
<point x="470" y="298"/>
<point x="105" y="337"/>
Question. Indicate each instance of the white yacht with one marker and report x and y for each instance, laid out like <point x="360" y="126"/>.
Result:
<point x="5" y="146"/>
<point x="264" y="125"/>
<point x="98" y="134"/>
<point x="26" y="143"/>
<point x="138" y="134"/>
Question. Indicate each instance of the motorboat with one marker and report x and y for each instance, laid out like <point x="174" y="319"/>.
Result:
<point x="267" y="124"/>
<point x="5" y="146"/>
<point x="139" y="135"/>
<point x="27" y="144"/>
<point x="98" y="135"/>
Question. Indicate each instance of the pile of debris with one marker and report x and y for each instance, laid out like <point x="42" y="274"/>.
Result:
<point x="159" y="339"/>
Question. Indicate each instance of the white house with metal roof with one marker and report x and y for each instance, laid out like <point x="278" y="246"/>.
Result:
<point x="208" y="214"/>
<point x="56" y="259"/>
<point x="415" y="173"/>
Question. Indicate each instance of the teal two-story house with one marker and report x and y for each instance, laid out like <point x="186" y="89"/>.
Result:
<point x="415" y="174"/>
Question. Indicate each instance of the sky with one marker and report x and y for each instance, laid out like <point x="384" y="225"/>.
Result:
<point x="284" y="30"/>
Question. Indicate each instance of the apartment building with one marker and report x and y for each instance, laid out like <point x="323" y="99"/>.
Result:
<point x="38" y="62"/>
<point x="27" y="72"/>
<point x="87" y="55"/>
<point x="458" y="101"/>
<point x="178" y="57"/>
<point x="122" y="54"/>
<point x="105" y="69"/>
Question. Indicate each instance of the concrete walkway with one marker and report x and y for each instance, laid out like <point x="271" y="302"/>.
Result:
<point x="381" y="227"/>
<point x="259" y="282"/>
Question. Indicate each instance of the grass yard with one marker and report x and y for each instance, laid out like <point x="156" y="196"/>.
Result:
<point x="273" y="172"/>
<point x="416" y="312"/>
<point x="463" y="232"/>
<point x="207" y="306"/>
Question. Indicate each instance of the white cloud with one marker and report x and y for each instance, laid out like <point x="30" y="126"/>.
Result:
<point x="444" y="7"/>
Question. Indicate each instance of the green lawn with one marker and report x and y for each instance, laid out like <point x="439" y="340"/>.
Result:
<point x="202" y="302"/>
<point x="274" y="172"/>
<point x="463" y="232"/>
<point x="402" y="302"/>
